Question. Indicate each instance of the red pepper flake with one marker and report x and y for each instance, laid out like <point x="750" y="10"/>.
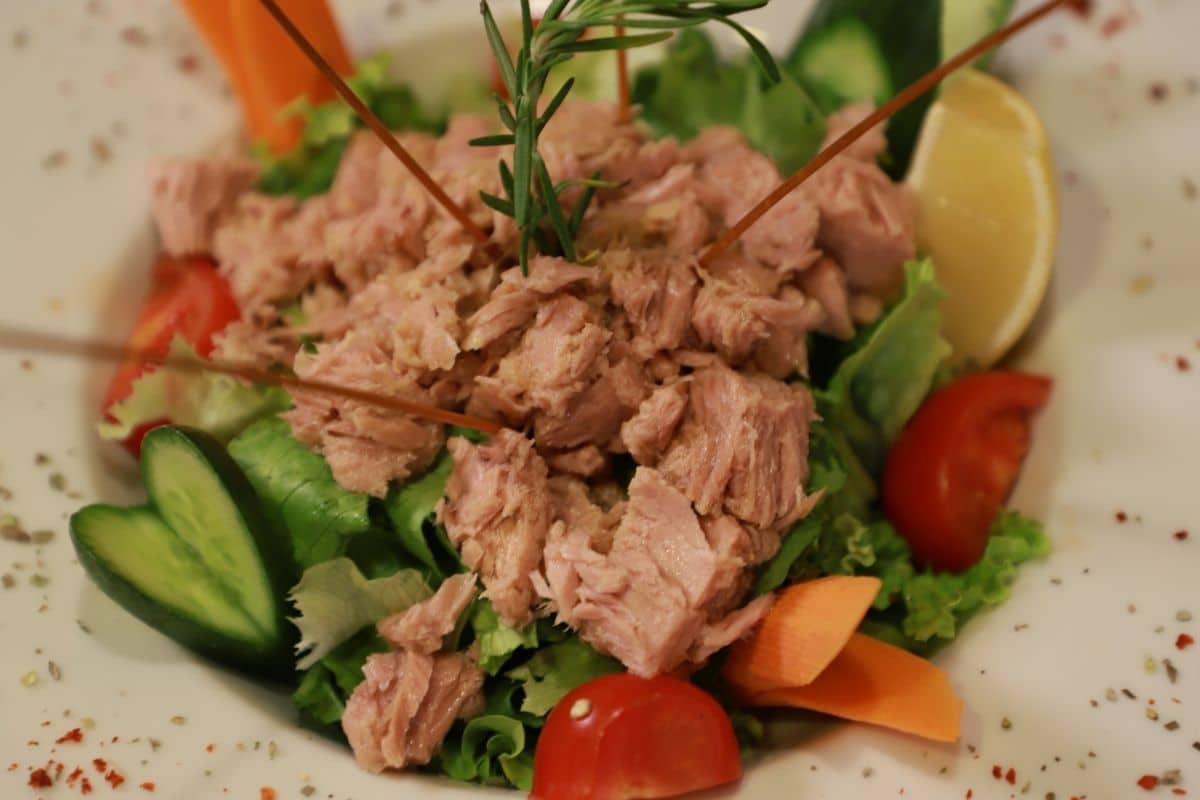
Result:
<point x="1121" y="516"/>
<point x="85" y="787"/>
<point x="13" y="767"/>
<point x="266" y="793"/>
<point x="997" y="772"/>
<point x="1148" y="782"/>
<point x="1184" y="641"/>
<point x="970" y="793"/>
<point x="1179" y="791"/>
<point x="146" y="786"/>
<point x="1182" y="364"/>
<point x="73" y="735"/>
<point x="114" y="778"/>
<point x="74" y="776"/>
<point x="1011" y="776"/>
<point x="210" y="748"/>
<point x="100" y="764"/>
<point x="1158" y="91"/>
<point x="1181" y="536"/>
<point x="40" y="779"/>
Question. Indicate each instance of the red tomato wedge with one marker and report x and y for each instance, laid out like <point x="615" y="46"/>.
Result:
<point x="955" y="464"/>
<point x="188" y="298"/>
<point x="621" y="737"/>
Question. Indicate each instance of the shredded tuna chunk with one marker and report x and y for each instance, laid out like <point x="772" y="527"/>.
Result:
<point x="657" y="289"/>
<point x="515" y="301"/>
<point x="743" y="447"/>
<point x="192" y="195"/>
<point x="647" y="434"/>
<point x="422" y="628"/>
<point x="401" y="712"/>
<point x="648" y="601"/>
<point x="497" y="513"/>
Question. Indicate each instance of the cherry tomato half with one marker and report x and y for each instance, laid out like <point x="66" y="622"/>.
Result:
<point x="622" y="737"/>
<point x="187" y="297"/>
<point x="955" y="464"/>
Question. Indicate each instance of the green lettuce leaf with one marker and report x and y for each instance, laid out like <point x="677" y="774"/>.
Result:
<point x="692" y="89"/>
<point x="410" y="510"/>
<point x="219" y="405"/>
<point x="310" y="168"/>
<point x="492" y="749"/>
<point x="936" y="604"/>
<point x="298" y="492"/>
<point x="889" y="371"/>
<point x="335" y="601"/>
<point x="327" y="685"/>
<point x="555" y="671"/>
<point x="497" y="641"/>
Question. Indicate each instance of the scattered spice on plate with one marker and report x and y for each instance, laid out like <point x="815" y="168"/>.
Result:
<point x="100" y="764"/>
<point x="1172" y="670"/>
<point x="1006" y="724"/>
<point x="1151" y="714"/>
<point x="29" y="679"/>
<point x="1141" y="284"/>
<point x="867" y="772"/>
<point x="146" y="786"/>
<point x="1011" y="777"/>
<point x="54" y="160"/>
<point x="1150" y="665"/>
<point x="178" y="719"/>
<point x="43" y="536"/>
<point x="74" y="735"/>
<point x="1121" y="516"/>
<point x="1183" y="616"/>
<point x="114" y="778"/>
<point x="135" y="36"/>
<point x="1171" y="777"/>
<point x="1184" y="641"/>
<point x="1189" y="189"/>
<point x="7" y="581"/>
<point x="1180" y="536"/>
<point x="101" y="151"/>
<point x="1182" y="364"/>
<point x="308" y="791"/>
<point x="1129" y="694"/>
<point x="266" y="793"/>
<point x="1110" y="695"/>
<point x="39" y="580"/>
<point x="1172" y="726"/>
<point x="1148" y="782"/>
<point x="40" y="779"/>
<point x="1158" y="91"/>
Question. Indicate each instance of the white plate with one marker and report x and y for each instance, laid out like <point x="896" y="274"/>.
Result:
<point x="1123" y="432"/>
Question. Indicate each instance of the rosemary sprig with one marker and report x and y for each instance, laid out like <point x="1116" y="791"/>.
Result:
<point x="530" y="196"/>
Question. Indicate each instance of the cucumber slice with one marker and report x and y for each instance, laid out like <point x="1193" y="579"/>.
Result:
<point x="842" y="63"/>
<point x="148" y="570"/>
<point x="200" y="565"/>
<point x="909" y="36"/>
<point x="965" y="22"/>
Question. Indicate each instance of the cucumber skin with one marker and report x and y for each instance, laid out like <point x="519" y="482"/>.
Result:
<point x="276" y="662"/>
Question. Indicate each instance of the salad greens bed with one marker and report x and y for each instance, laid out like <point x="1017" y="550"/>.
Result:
<point x="353" y="559"/>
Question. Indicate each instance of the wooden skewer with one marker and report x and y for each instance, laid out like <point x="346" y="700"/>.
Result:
<point x="92" y="350"/>
<point x="376" y="125"/>
<point x="906" y="97"/>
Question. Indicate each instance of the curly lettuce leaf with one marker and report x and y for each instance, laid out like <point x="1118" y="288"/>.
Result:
<point x="335" y="601"/>
<point x="497" y="641"/>
<point x="936" y="604"/>
<point x="555" y="671"/>
<point x="692" y="89"/>
<point x="890" y="369"/>
<point x="219" y="405"/>
<point x="492" y="749"/>
<point x="298" y="492"/>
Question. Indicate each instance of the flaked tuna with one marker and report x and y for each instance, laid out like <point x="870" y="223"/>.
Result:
<point x="497" y="512"/>
<point x="190" y="196"/>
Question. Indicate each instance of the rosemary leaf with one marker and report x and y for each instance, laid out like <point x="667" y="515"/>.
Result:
<point x="554" y="210"/>
<point x="497" y="140"/>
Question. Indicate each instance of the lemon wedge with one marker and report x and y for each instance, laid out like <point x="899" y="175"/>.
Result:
<point x="987" y="212"/>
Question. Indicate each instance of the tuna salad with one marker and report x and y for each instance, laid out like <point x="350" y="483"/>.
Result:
<point x="688" y="464"/>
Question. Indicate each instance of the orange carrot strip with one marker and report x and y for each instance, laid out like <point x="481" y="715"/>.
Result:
<point x="879" y="684"/>
<point x="212" y="19"/>
<point x="278" y="73"/>
<point x="803" y="633"/>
